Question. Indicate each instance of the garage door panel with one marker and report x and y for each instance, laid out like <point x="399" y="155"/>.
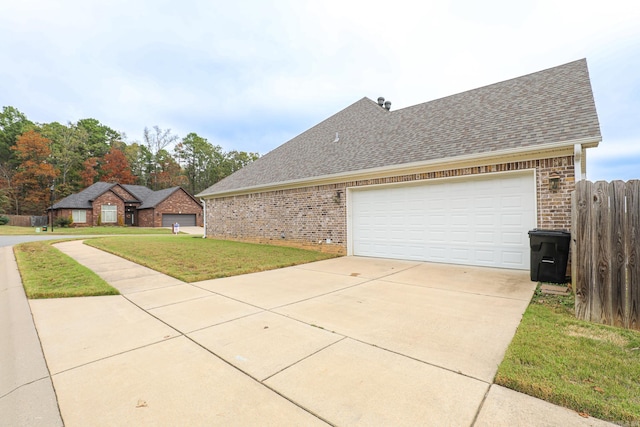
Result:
<point x="485" y="220"/>
<point x="485" y="237"/>
<point x="512" y="238"/>
<point x="479" y="221"/>
<point x="512" y="202"/>
<point x="460" y="255"/>
<point x="459" y="220"/>
<point x="185" y="220"/>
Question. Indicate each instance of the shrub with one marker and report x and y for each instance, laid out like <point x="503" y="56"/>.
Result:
<point x="4" y="220"/>
<point x="62" y="222"/>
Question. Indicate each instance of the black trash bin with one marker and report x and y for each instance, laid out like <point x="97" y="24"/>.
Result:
<point x="549" y="255"/>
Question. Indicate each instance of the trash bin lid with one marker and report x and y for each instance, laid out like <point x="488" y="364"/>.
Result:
<point x="549" y="233"/>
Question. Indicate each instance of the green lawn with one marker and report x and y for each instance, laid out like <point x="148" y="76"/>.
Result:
<point x="191" y="259"/>
<point x="10" y="230"/>
<point x="590" y="368"/>
<point x="48" y="273"/>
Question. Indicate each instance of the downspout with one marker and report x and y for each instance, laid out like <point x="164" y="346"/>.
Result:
<point x="579" y="164"/>
<point x="204" y="218"/>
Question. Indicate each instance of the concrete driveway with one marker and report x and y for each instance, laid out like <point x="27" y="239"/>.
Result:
<point x="344" y="341"/>
<point x="347" y="341"/>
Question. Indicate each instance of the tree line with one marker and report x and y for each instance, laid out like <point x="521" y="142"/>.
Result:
<point x="36" y="157"/>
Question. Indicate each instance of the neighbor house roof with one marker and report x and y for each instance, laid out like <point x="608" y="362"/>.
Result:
<point x="145" y="196"/>
<point x="547" y="107"/>
<point x="139" y="191"/>
<point x="83" y="199"/>
<point x="156" y="197"/>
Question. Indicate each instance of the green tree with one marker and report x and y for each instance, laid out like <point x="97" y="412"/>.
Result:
<point x="5" y="203"/>
<point x="140" y="162"/>
<point x="99" y="139"/>
<point x="168" y="172"/>
<point x="201" y="161"/>
<point x="13" y="123"/>
<point x="68" y="142"/>
<point x="236" y="160"/>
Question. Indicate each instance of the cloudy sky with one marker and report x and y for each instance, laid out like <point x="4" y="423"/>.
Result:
<point x="250" y="75"/>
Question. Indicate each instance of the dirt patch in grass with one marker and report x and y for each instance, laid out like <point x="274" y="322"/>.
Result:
<point x="612" y="337"/>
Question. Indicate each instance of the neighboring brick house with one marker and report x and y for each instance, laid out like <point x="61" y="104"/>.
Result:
<point x="105" y="203"/>
<point x="458" y="180"/>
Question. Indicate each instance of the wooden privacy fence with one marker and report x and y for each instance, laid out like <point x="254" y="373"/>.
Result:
<point x="605" y="264"/>
<point x="28" y="220"/>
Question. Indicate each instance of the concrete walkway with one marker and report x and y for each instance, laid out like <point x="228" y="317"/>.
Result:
<point x="347" y="341"/>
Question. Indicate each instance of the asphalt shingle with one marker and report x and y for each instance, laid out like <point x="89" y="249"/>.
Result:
<point x="82" y="200"/>
<point x="553" y="105"/>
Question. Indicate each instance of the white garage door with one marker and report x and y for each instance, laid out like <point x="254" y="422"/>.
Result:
<point x="477" y="221"/>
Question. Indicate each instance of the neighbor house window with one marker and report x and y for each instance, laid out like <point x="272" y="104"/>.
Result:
<point x="109" y="213"/>
<point x="79" y="216"/>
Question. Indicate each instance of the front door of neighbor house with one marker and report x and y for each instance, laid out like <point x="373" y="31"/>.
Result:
<point x="129" y="215"/>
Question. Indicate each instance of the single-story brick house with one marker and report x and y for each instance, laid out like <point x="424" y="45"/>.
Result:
<point x="105" y="203"/>
<point x="461" y="179"/>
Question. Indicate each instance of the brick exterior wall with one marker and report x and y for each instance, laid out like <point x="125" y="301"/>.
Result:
<point x="125" y="195"/>
<point x="145" y="218"/>
<point x="311" y="215"/>
<point x="108" y="198"/>
<point x="68" y="213"/>
<point x="178" y="203"/>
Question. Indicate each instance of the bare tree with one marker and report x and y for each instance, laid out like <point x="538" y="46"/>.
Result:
<point x="158" y="139"/>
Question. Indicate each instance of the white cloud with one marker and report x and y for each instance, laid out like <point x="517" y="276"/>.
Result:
<point x="248" y="73"/>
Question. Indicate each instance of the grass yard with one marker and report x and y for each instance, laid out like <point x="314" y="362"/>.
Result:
<point x="10" y="230"/>
<point x="48" y="273"/>
<point x="590" y="368"/>
<point x="192" y="259"/>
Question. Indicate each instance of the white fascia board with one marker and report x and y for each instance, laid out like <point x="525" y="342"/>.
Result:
<point x="519" y="154"/>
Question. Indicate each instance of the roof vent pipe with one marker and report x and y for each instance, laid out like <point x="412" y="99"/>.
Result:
<point x="387" y="105"/>
<point x="380" y="101"/>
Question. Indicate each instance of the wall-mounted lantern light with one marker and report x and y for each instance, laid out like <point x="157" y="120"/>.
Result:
<point x="554" y="182"/>
<point x="336" y="198"/>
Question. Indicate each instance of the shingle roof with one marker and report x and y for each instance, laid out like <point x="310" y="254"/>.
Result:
<point x="156" y="197"/>
<point x="82" y="200"/>
<point x="139" y="191"/>
<point x="553" y="105"/>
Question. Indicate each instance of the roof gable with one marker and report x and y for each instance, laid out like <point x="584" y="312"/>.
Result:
<point x="156" y="197"/>
<point x="553" y="105"/>
<point x="83" y="199"/>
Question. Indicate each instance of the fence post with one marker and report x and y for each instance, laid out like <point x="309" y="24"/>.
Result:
<point x="619" y="286"/>
<point x="582" y="232"/>
<point x="601" y="229"/>
<point x="632" y="226"/>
